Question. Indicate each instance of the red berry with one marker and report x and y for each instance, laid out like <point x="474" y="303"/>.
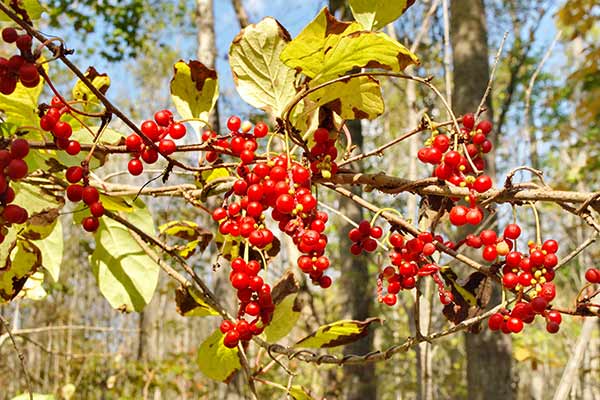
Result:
<point x="226" y="326"/>
<point x="495" y="321"/>
<point x="16" y="169"/>
<point x="234" y="123"/>
<point x="97" y="209"/>
<point x="167" y="146"/>
<point x="9" y="35"/>
<point x="510" y="280"/>
<point x="539" y="304"/>
<point x="150" y="129"/>
<point x="23" y="42"/>
<point x="515" y="325"/>
<point x="458" y="215"/>
<point x="485" y="126"/>
<point x="551" y="246"/>
<point x="134" y="142"/>
<point x="74" y="193"/>
<point x="231" y="339"/>
<point x="14" y="214"/>
<point x="325" y="282"/>
<point x="74" y="174"/>
<point x="552" y="327"/>
<point x="390" y="299"/>
<point x="554" y="316"/>
<point x="29" y="73"/>
<point x="149" y="155"/>
<point x="90" y="224"/>
<point x="62" y="130"/>
<point x="441" y="142"/>
<point x="468" y="121"/>
<point x="285" y="203"/>
<point x="482" y="184"/>
<point x="90" y="195"/>
<point x="260" y="130"/>
<point x="163" y="117"/>
<point x="177" y="130"/>
<point x="512" y="231"/>
<point x="592" y="275"/>
<point x="321" y="135"/>
<point x="73" y="148"/>
<point x="490" y="253"/>
<point x="135" y="167"/>
<point x="488" y="237"/>
<point x="474" y="216"/>
<point x="19" y="148"/>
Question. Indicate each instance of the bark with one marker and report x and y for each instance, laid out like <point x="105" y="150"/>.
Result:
<point x="207" y="49"/>
<point x="489" y="374"/>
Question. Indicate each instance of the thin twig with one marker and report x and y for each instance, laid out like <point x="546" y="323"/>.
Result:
<point x="488" y="89"/>
<point x="19" y="354"/>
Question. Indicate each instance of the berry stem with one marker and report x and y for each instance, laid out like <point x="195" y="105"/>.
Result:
<point x="381" y="211"/>
<point x="538" y="233"/>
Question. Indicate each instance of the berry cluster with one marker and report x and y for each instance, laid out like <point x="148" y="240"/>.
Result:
<point x="592" y="275"/>
<point x="61" y="130"/>
<point x="523" y="312"/>
<point x="255" y="302"/>
<point x="157" y="131"/>
<point x="18" y="67"/>
<point x="12" y="168"/>
<point x="364" y="237"/>
<point x="89" y="194"/>
<point x="409" y="259"/>
<point x="241" y="142"/>
<point x="323" y="153"/>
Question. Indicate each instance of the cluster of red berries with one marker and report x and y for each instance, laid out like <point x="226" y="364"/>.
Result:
<point x="523" y="312"/>
<point x="61" y="130"/>
<point x="157" y="131"/>
<point x="240" y="142"/>
<point x="461" y="215"/>
<point x="409" y="259"/>
<point x="364" y="237"/>
<point x="454" y="167"/>
<point x="12" y="168"/>
<point x="255" y="302"/>
<point x="91" y="197"/>
<point x="18" y="67"/>
<point x="592" y="275"/>
<point x="323" y="153"/>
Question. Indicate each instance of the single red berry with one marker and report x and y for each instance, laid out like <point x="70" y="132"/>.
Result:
<point x="23" y="42"/>
<point x="226" y="326"/>
<point x="441" y="142"/>
<point x="90" y="195"/>
<point x="474" y="216"/>
<point x="554" y="316"/>
<point x="167" y="147"/>
<point x="592" y="275"/>
<point x="488" y="237"/>
<point x="90" y="224"/>
<point x="177" y="130"/>
<point x="325" y="282"/>
<point x="73" y="148"/>
<point x="29" y="73"/>
<point x="234" y="123"/>
<point x="458" y="215"/>
<point x="150" y="129"/>
<point x="62" y="130"/>
<point x="149" y="155"/>
<point x="490" y="253"/>
<point x="261" y="129"/>
<point x="495" y="321"/>
<point x="539" y="304"/>
<point x="468" y="121"/>
<point x="97" y="209"/>
<point x="74" y="193"/>
<point x="550" y="245"/>
<point x="74" y="174"/>
<point x="552" y="327"/>
<point x="512" y="231"/>
<point x="14" y="214"/>
<point x="485" y="126"/>
<point x="510" y="280"/>
<point x="390" y="299"/>
<point x="231" y="339"/>
<point x="16" y="169"/>
<point x="163" y="117"/>
<point x="483" y="183"/>
<point x="19" y="148"/>
<point x="135" y="167"/>
<point x="134" y="142"/>
<point x="9" y="35"/>
<point x="515" y="325"/>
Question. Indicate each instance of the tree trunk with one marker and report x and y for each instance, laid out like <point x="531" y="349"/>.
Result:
<point x="489" y="374"/>
<point x="207" y="49"/>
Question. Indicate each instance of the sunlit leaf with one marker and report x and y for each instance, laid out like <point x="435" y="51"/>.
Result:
<point x="375" y="14"/>
<point x="23" y="261"/>
<point x="194" y="91"/>
<point x="36" y="396"/>
<point x="337" y="333"/>
<point x="356" y="98"/>
<point x="82" y="93"/>
<point x="33" y="7"/>
<point x="260" y="77"/>
<point x="52" y="251"/>
<point x="33" y="290"/>
<point x="215" y="360"/>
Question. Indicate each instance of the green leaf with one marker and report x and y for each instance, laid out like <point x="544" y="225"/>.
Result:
<point x="109" y="135"/>
<point x="298" y="393"/>
<point x="114" y="203"/>
<point x="194" y="91"/>
<point x="42" y="206"/>
<point x="261" y="79"/>
<point x="82" y="93"/>
<point x="24" y="260"/>
<point x="52" y="251"/>
<point x="337" y="333"/>
<point x="190" y="305"/>
<point x="215" y="360"/>
<point x="33" y="7"/>
<point x="364" y="50"/>
<point x="126" y="276"/>
<point x="375" y="14"/>
<point x="213" y="174"/>
<point x="306" y="53"/>
<point x="356" y="98"/>
<point x="287" y="307"/>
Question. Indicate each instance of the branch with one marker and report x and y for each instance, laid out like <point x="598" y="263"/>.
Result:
<point x="240" y="13"/>
<point x="19" y="354"/>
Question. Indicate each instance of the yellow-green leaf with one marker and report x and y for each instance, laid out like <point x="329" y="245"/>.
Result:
<point x="190" y="305"/>
<point x="375" y="14"/>
<point x="21" y="106"/>
<point x="23" y="261"/>
<point x="33" y="290"/>
<point x="215" y="360"/>
<point x="285" y="316"/>
<point x="298" y="393"/>
<point x="126" y="276"/>
<point x="114" y="203"/>
<point x="260" y="77"/>
<point x="364" y="50"/>
<point x="356" y="98"/>
<point x="337" y="334"/>
<point x="306" y="53"/>
<point x="82" y="93"/>
<point x="51" y="248"/>
<point x="33" y="7"/>
<point x="213" y="174"/>
<point x="194" y="91"/>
